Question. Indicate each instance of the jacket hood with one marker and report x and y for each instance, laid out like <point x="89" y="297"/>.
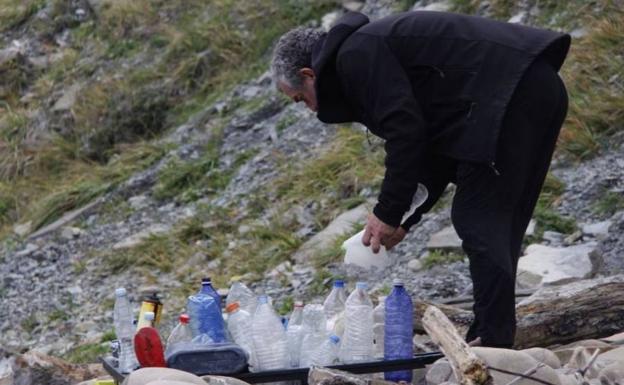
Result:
<point x="332" y="104"/>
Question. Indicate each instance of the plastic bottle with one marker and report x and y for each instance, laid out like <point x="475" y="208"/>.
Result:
<point x="180" y="334"/>
<point x="293" y="334"/>
<point x="148" y="345"/>
<point x="358" y="254"/>
<point x="239" y="325"/>
<point x="335" y="303"/>
<point x="209" y="289"/>
<point x="124" y="329"/>
<point x="379" y="314"/>
<point x="314" y="331"/>
<point x="398" y="331"/>
<point x="357" y="341"/>
<point x="269" y="338"/>
<point x="205" y="313"/>
<point x="244" y="296"/>
<point x="327" y="353"/>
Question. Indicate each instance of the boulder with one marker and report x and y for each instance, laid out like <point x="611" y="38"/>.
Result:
<point x="514" y="361"/>
<point x="68" y="99"/>
<point x="446" y="238"/>
<point x="544" y="356"/>
<point x="612" y="374"/>
<point x="138" y="238"/>
<point x="162" y="376"/>
<point x="342" y="224"/>
<point x="597" y="229"/>
<point x="545" y="265"/>
<point x="37" y="368"/>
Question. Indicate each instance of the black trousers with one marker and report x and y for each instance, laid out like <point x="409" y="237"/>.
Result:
<point x="492" y="207"/>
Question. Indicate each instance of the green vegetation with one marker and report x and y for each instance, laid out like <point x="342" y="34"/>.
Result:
<point x="29" y="323"/>
<point x="15" y="12"/>
<point x="609" y="203"/>
<point x="87" y="353"/>
<point x="441" y="257"/>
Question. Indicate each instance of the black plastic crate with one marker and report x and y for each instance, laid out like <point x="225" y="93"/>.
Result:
<point x="301" y="374"/>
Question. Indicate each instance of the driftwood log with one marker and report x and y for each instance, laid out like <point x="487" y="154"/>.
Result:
<point x="556" y="314"/>
<point x="468" y="368"/>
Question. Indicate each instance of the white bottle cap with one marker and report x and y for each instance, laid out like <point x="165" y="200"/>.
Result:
<point x="361" y="285"/>
<point x="149" y="316"/>
<point x="120" y="292"/>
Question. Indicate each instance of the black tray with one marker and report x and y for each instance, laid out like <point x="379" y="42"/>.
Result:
<point x="301" y="374"/>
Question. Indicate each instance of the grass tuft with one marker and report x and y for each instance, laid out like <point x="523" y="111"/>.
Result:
<point x="441" y="257"/>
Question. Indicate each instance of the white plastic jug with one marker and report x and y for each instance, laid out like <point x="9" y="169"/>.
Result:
<point x="358" y="254"/>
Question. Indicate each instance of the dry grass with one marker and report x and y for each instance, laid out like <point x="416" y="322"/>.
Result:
<point x="594" y="76"/>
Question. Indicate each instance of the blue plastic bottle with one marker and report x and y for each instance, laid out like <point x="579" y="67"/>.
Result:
<point x="398" y="330"/>
<point x="205" y="313"/>
<point x="207" y="285"/>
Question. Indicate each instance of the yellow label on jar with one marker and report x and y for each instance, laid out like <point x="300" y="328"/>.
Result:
<point x="146" y="307"/>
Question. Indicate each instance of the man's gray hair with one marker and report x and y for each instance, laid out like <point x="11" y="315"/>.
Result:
<point x="292" y="53"/>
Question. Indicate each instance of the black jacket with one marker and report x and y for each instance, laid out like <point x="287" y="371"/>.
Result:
<point x="427" y="83"/>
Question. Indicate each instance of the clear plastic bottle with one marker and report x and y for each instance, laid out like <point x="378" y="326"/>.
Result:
<point x="180" y="334"/>
<point x="327" y="353"/>
<point x="293" y="334"/>
<point x="205" y="313"/>
<point x="357" y="341"/>
<point x="124" y="329"/>
<point x="246" y="298"/>
<point x="239" y="325"/>
<point x="399" y="330"/>
<point x="334" y="304"/>
<point x="269" y="338"/>
<point x="314" y="331"/>
<point x="379" y="314"/>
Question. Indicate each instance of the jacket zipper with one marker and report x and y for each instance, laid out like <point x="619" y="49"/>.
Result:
<point x="493" y="167"/>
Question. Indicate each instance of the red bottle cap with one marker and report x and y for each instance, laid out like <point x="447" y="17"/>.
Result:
<point x="184" y="318"/>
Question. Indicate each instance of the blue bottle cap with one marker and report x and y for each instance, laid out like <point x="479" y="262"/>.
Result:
<point x="334" y="338"/>
<point x="263" y="299"/>
<point x="361" y="285"/>
<point x="397" y="282"/>
<point x="339" y="283"/>
<point x="120" y="292"/>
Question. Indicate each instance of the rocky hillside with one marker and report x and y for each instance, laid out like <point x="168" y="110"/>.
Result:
<point x="143" y="145"/>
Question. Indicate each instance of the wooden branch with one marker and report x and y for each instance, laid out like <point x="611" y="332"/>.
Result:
<point x="468" y="368"/>
<point x="555" y="314"/>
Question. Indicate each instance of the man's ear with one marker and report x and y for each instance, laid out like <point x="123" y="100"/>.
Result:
<point x="307" y="72"/>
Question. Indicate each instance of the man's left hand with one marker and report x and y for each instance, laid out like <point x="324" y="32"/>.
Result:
<point x="376" y="233"/>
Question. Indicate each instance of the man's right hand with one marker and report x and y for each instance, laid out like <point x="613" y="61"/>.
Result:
<point x="395" y="238"/>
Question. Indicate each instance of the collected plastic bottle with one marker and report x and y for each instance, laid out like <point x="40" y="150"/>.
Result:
<point x="205" y="313"/>
<point x="239" y="325"/>
<point x="124" y="329"/>
<point x="398" y="331"/>
<point x="180" y="334"/>
<point x="246" y="298"/>
<point x="208" y="288"/>
<point x="314" y="331"/>
<point x="379" y="315"/>
<point x="294" y="334"/>
<point x="357" y="341"/>
<point x="269" y="338"/>
<point x="148" y="345"/>
<point x="327" y="353"/>
<point x="335" y="303"/>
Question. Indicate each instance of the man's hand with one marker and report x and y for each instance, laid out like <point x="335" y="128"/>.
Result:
<point x="376" y="233"/>
<point x="395" y="238"/>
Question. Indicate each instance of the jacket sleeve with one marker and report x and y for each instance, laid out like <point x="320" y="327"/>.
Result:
<point x="376" y="84"/>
